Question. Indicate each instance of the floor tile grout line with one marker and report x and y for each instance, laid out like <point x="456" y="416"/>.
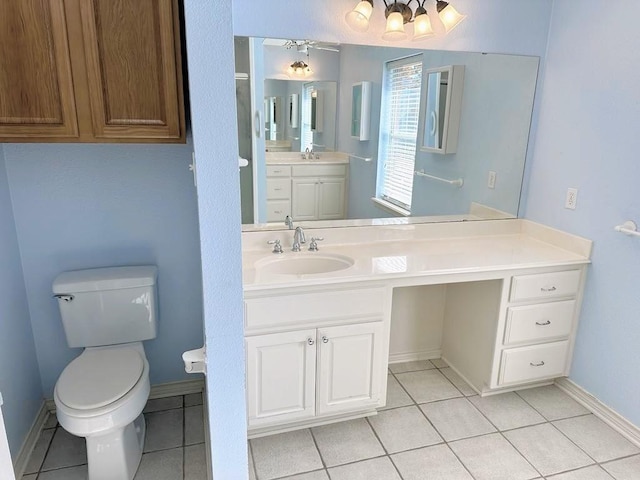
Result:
<point x="384" y="448"/>
<point x="46" y="453"/>
<point x="184" y="436"/>
<point x="315" y="443"/>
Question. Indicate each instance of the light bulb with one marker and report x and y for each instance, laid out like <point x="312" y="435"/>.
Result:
<point x="298" y="70"/>
<point x="395" y="27"/>
<point x="358" y="18"/>
<point x="290" y="70"/>
<point x="450" y="17"/>
<point x="422" y="26"/>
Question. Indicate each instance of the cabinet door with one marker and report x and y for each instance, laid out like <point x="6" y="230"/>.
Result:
<point x="331" y="198"/>
<point x="132" y="51"/>
<point x="36" y="89"/>
<point x="281" y="376"/>
<point x="350" y="367"/>
<point x="304" y="198"/>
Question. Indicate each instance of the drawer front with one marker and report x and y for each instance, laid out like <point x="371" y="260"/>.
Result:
<point x="543" y="321"/>
<point x="545" y="285"/>
<point x="278" y="188"/>
<point x="319" y="170"/>
<point x="277" y="210"/>
<point x="278" y="171"/>
<point x="315" y="308"/>
<point x="526" y="364"/>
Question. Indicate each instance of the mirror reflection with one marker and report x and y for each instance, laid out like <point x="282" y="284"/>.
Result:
<point x="308" y="161"/>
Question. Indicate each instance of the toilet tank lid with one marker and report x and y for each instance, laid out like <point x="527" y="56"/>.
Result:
<point x="109" y="278"/>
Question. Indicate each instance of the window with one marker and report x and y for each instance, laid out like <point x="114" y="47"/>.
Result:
<point x="306" y="134"/>
<point x="399" y="131"/>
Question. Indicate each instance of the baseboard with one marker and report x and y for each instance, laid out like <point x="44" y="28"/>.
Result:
<point x="162" y="390"/>
<point x="600" y="410"/>
<point x="414" y="356"/>
<point x="183" y="387"/>
<point x="20" y="463"/>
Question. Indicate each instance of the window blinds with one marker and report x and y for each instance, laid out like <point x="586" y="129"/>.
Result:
<point x="399" y="130"/>
<point x="306" y="135"/>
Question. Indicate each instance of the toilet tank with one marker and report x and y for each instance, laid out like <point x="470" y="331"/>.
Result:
<point x="108" y="306"/>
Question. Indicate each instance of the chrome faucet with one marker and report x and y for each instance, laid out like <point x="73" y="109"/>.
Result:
<point x="288" y="221"/>
<point x="298" y="239"/>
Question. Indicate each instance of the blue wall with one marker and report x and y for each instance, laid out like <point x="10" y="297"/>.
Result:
<point x="213" y="109"/>
<point x="494" y="131"/>
<point x="588" y="138"/>
<point x="84" y="206"/>
<point x="19" y="375"/>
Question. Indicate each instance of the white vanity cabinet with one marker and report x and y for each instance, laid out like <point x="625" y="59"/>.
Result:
<point x="539" y="326"/>
<point x="278" y="192"/>
<point x="326" y="357"/>
<point x="306" y="192"/>
<point x="318" y="198"/>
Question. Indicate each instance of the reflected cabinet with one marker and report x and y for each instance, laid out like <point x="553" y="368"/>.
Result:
<point x="442" y="104"/>
<point x="361" y="110"/>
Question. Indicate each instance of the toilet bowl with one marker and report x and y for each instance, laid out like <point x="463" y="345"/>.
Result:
<point x="100" y="396"/>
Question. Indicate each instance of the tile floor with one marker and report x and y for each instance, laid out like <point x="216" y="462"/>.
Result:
<point x="174" y="447"/>
<point x="434" y="427"/>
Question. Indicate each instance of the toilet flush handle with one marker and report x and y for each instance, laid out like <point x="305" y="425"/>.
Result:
<point x="63" y="296"/>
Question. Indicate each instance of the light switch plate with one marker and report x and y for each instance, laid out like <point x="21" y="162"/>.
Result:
<point x="491" y="182"/>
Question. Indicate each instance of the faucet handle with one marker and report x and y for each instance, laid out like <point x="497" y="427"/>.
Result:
<point x="277" y="248"/>
<point x="313" y="246"/>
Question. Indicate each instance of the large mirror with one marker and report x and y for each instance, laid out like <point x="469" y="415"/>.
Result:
<point x="341" y="181"/>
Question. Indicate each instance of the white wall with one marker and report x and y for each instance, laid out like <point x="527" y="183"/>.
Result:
<point x="588" y="138"/>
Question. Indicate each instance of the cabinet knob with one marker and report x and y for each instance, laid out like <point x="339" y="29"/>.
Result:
<point x="325" y="339"/>
<point x="548" y="289"/>
<point x="542" y="324"/>
<point x="310" y="341"/>
<point x="537" y="364"/>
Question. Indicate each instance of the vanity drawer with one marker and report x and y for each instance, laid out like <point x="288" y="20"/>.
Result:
<point x="278" y="188"/>
<point x="545" y="285"/>
<point x="315" y="308"/>
<point x="278" y="171"/>
<point x="525" y="364"/>
<point x="277" y="210"/>
<point x="319" y="170"/>
<point x="531" y="323"/>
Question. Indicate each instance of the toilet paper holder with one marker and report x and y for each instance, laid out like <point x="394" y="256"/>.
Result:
<point x="195" y="361"/>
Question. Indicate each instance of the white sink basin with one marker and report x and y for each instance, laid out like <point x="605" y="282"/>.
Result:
<point x="303" y="264"/>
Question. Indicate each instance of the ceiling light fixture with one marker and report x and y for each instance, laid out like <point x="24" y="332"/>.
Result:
<point x="300" y="68"/>
<point x="400" y="13"/>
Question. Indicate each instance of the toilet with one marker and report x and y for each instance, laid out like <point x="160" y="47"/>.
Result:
<point x="100" y="395"/>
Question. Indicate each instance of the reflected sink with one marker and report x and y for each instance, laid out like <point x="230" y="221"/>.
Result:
<point x="303" y="264"/>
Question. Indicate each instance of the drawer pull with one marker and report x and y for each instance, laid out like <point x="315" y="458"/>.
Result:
<point x="543" y="324"/>
<point x="548" y="289"/>
<point x="310" y="341"/>
<point x="325" y="339"/>
<point x="277" y="171"/>
<point x="537" y="364"/>
<point x="278" y="189"/>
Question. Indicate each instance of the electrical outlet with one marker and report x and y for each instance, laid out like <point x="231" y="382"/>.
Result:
<point x="491" y="182"/>
<point x="572" y="199"/>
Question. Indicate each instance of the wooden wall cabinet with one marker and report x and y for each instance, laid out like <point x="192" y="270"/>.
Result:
<point x="91" y="71"/>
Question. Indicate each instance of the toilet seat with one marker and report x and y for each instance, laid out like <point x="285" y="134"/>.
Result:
<point x="99" y="377"/>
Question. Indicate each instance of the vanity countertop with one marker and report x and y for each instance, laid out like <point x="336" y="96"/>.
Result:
<point x="295" y="158"/>
<point x="405" y="252"/>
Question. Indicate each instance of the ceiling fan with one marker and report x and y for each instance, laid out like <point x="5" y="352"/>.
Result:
<point x="303" y="46"/>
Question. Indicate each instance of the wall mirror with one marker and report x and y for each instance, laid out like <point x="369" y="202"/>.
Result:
<point x="495" y="118"/>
